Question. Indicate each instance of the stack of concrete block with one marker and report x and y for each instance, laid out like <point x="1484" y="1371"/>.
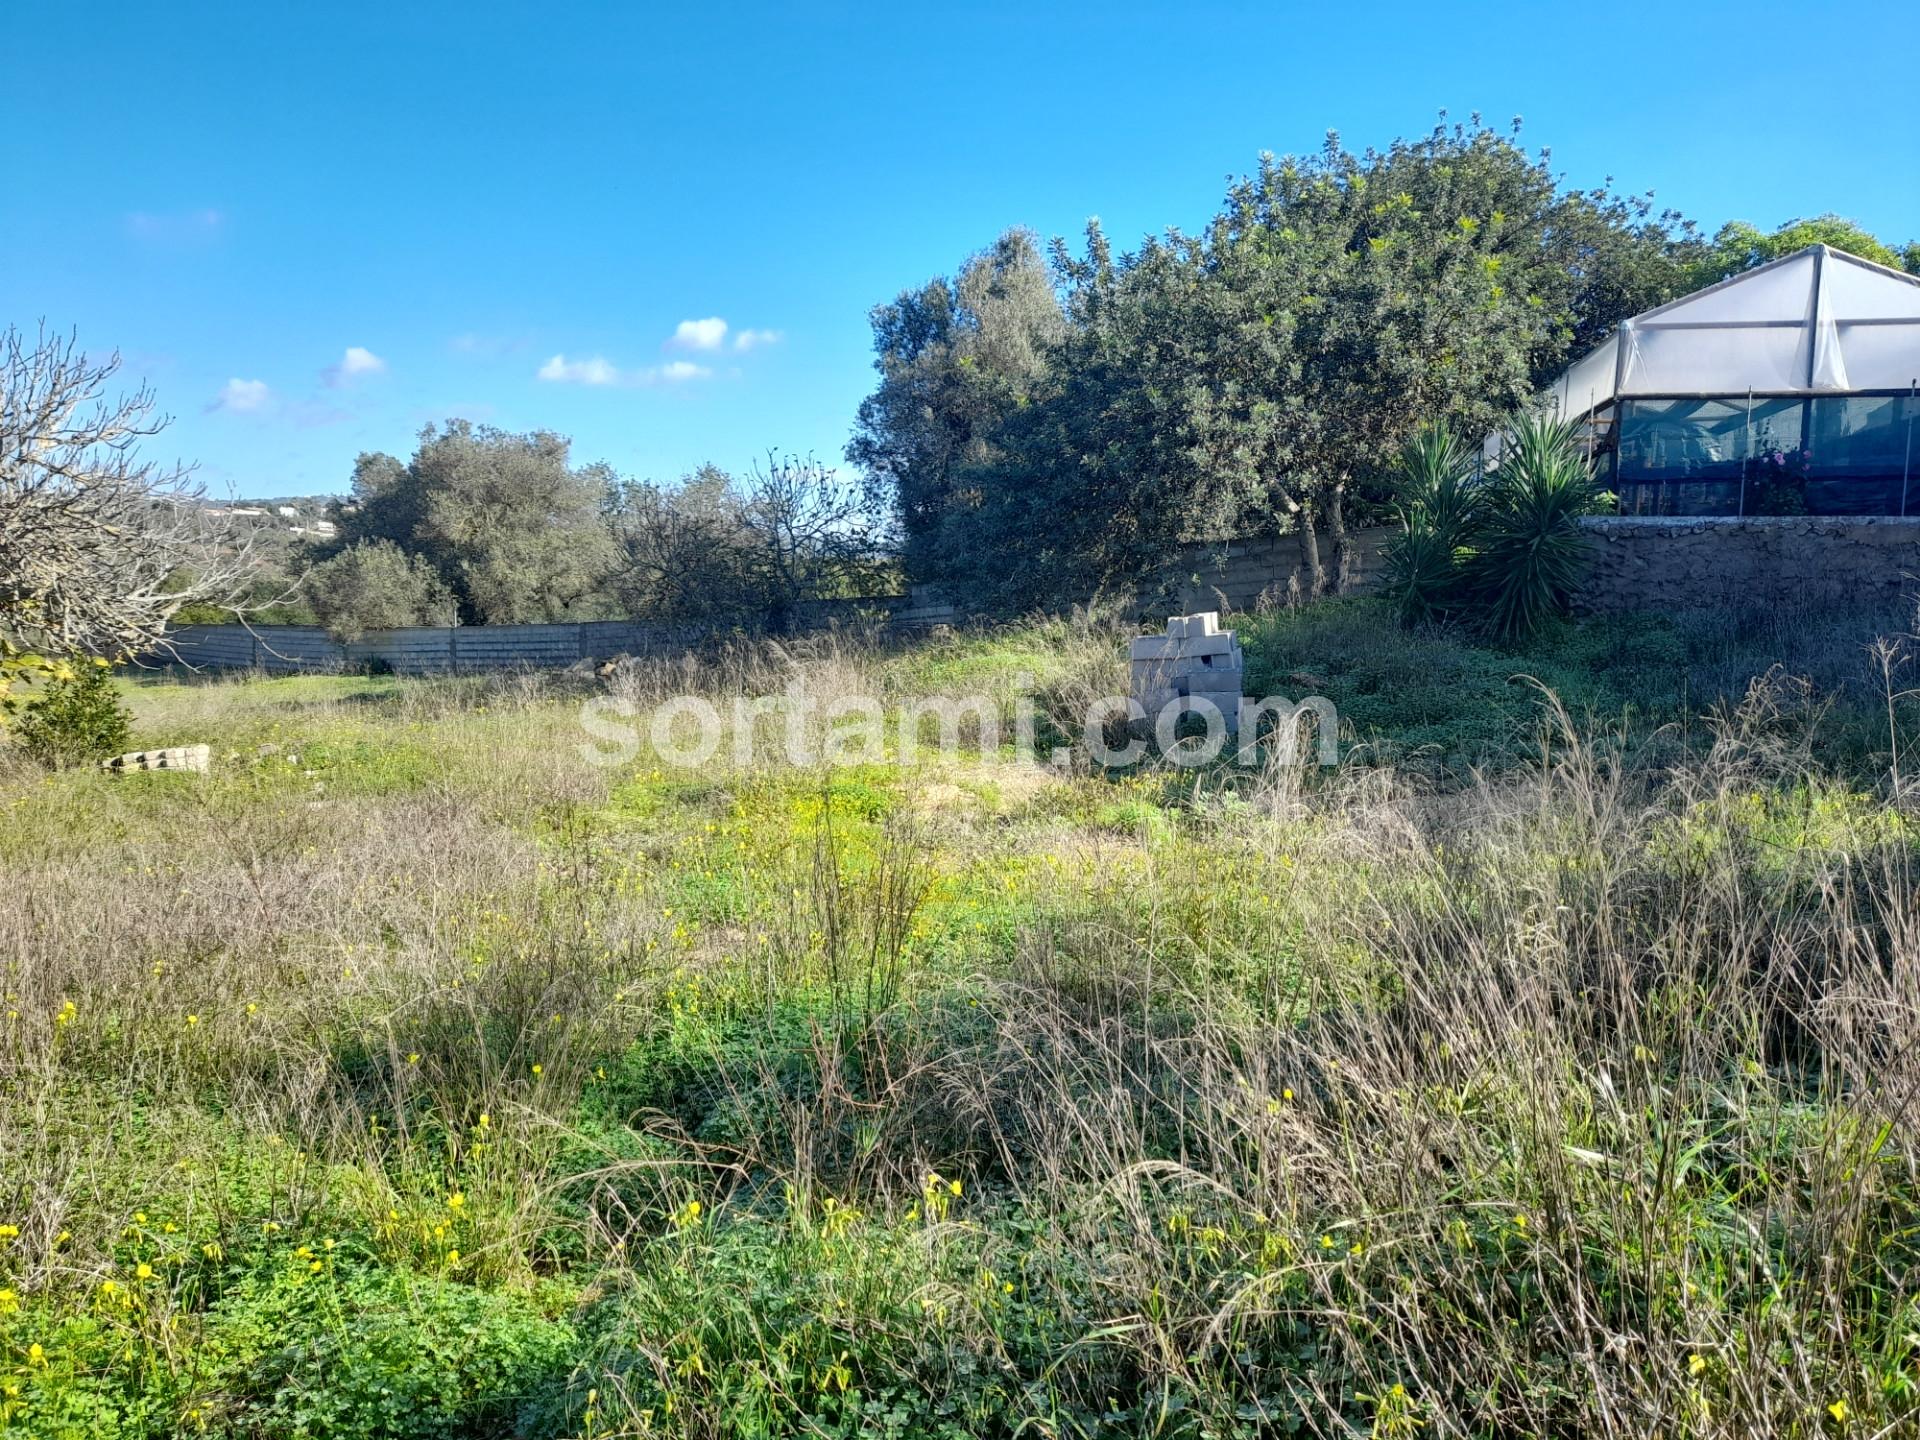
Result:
<point x="1195" y="660"/>
<point x="180" y="757"/>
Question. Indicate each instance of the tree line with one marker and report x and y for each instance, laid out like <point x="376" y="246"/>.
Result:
<point x="1044" y="426"/>
<point x="483" y="526"/>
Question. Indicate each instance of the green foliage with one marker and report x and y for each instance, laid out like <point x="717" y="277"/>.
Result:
<point x="1505" y="552"/>
<point x="1441" y="701"/>
<point x="1439" y="502"/>
<point x="1740" y="246"/>
<point x="956" y="358"/>
<point x="77" y="720"/>
<point x="1527" y="550"/>
<point x="375" y="585"/>
<point x="1261" y="373"/>
<point x="510" y="528"/>
<point x="350" y="1354"/>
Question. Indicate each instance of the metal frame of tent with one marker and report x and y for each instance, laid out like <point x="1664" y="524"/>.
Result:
<point x="1822" y="374"/>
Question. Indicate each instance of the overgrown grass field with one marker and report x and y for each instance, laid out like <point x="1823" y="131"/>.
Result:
<point x="1546" y="1069"/>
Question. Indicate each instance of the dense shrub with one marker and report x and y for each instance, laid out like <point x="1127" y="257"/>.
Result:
<point x="378" y="1353"/>
<point x="378" y="586"/>
<point x="78" y="720"/>
<point x="1502" y="552"/>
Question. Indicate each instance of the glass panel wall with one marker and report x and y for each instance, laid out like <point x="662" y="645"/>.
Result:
<point x="1858" y="454"/>
<point x="1695" y="457"/>
<point x="1830" y="455"/>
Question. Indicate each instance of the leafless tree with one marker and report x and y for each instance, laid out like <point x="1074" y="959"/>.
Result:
<point x="812" y="532"/>
<point x="98" y="547"/>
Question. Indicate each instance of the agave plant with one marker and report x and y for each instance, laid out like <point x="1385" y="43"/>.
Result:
<point x="1529" y="554"/>
<point x="1439" y="500"/>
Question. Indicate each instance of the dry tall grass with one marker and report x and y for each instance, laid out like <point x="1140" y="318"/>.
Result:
<point x="443" y="1084"/>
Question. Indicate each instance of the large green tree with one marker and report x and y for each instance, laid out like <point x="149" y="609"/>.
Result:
<point x="955" y="358"/>
<point x="1262" y="373"/>
<point x="1361" y="296"/>
<point x="509" y="525"/>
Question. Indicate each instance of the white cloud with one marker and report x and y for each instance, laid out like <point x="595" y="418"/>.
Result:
<point x="243" y="396"/>
<point x="601" y="371"/>
<point x="673" y="372"/>
<point x="596" y="371"/>
<point x="357" y="361"/>
<point x="756" y="339"/>
<point x="708" y="334"/>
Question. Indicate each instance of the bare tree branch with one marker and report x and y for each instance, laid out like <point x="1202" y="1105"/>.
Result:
<point x="98" y="547"/>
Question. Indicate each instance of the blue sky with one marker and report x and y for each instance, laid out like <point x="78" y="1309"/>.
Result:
<point x="315" y="228"/>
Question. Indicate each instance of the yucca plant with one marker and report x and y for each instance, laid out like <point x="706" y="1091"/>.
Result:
<point x="1529" y="554"/>
<point x="1439" y="500"/>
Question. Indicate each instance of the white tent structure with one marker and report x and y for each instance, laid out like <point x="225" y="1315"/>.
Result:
<point x="1792" y="387"/>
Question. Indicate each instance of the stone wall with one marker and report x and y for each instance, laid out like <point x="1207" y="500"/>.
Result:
<point x="1806" y="561"/>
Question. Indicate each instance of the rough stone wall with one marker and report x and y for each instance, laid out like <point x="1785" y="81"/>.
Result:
<point x="1807" y="561"/>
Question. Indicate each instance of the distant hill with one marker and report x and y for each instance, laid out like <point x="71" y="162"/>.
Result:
<point x="304" y="517"/>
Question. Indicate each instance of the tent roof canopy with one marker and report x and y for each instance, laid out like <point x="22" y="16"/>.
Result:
<point x="1817" y="322"/>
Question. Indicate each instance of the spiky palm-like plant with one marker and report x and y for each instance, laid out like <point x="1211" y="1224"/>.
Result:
<point x="1438" y="497"/>
<point x="1529" y="554"/>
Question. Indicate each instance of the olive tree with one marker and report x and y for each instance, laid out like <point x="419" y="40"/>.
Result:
<point x="375" y="585"/>
<point x="510" y="526"/>
<point x="955" y="358"/>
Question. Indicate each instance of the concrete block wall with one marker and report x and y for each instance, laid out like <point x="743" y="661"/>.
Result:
<point x="425" y="650"/>
<point x="1638" y="563"/>
<point x="1194" y="660"/>
<point x="1238" y="575"/>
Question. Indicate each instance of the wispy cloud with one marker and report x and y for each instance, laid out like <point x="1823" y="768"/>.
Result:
<point x="242" y="396"/>
<point x="175" y="226"/>
<point x="674" y="371"/>
<point x="598" y="370"/>
<point x="357" y="361"/>
<point x="756" y="339"/>
<point x="707" y="334"/>
<point x="486" y="346"/>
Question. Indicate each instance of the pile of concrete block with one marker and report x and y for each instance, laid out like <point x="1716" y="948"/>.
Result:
<point x="1196" y="660"/>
